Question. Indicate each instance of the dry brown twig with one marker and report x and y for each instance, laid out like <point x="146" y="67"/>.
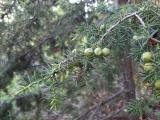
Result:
<point x="113" y="113"/>
<point x="151" y="37"/>
<point x="100" y="104"/>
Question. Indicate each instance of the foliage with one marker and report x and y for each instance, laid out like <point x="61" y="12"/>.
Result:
<point x="43" y="53"/>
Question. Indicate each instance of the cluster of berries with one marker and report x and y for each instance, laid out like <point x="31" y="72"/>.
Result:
<point x="149" y="66"/>
<point x="89" y="52"/>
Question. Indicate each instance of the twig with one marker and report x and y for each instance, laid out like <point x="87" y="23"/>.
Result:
<point x="126" y="17"/>
<point x="140" y="20"/>
<point x="100" y="104"/>
<point x="113" y="113"/>
<point x="145" y="43"/>
<point x="155" y="40"/>
<point x="93" y="114"/>
<point x="117" y="23"/>
<point x="156" y="31"/>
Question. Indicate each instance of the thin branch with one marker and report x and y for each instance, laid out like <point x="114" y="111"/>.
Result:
<point x="140" y="20"/>
<point x="113" y="114"/>
<point x="42" y="40"/>
<point x="151" y="37"/>
<point x="100" y="104"/>
<point x="155" y="40"/>
<point x="120" y="21"/>
<point x="94" y="113"/>
<point x="135" y="14"/>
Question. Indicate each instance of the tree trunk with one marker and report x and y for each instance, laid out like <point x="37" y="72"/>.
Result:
<point x="128" y="82"/>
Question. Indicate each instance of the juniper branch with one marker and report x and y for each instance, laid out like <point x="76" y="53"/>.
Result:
<point x="135" y="14"/>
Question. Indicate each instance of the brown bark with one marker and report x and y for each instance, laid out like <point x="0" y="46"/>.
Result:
<point x="127" y="71"/>
<point x="128" y="82"/>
